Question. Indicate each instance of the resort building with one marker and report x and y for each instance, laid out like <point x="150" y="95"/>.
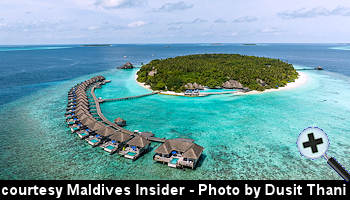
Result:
<point x="84" y="118"/>
<point x="135" y="147"/>
<point x="100" y="134"/>
<point x="116" y="142"/>
<point x="120" y="122"/>
<point x="178" y="153"/>
<point x="192" y="92"/>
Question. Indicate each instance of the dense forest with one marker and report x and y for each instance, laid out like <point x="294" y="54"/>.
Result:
<point x="213" y="70"/>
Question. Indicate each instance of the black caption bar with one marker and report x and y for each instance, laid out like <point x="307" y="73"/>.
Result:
<point x="171" y="189"/>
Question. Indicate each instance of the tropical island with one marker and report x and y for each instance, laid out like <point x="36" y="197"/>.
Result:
<point x="230" y="71"/>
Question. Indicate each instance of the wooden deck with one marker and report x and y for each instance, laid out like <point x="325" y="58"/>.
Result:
<point x="127" y="98"/>
<point x="226" y="92"/>
<point x="179" y="164"/>
<point x="156" y="139"/>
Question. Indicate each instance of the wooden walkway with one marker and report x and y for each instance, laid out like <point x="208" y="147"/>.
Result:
<point x="103" y="118"/>
<point x="127" y="98"/>
<point x="106" y="121"/>
<point x="227" y="92"/>
<point x="156" y="139"/>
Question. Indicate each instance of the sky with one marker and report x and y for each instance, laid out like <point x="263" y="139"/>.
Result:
<point x="173" y="21"/>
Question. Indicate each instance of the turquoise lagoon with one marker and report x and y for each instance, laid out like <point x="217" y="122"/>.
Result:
<point x="245" y="137"/>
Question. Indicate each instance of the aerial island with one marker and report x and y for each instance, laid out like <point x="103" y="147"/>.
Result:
<point x="216" y="71"/>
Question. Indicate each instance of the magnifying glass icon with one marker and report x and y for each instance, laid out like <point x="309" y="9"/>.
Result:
<point x="313" y="143"/>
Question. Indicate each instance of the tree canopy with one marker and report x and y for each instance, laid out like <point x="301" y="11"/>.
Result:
<point x="212" y="70"/>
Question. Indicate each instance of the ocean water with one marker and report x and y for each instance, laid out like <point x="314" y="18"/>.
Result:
<point x="245" y="137"/>
<point x="346" y="48"/>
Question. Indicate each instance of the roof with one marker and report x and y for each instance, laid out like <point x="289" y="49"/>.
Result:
<point x="83" y="116"/>
<point x="138" y="141"/>
<point x="146" y="134"/>
<point x="89" y="122"/>
<point x="80" y="111"/>
<point x="97" y="126"/>
<point x="120" y="137"/>
<point x="194" y="152"/>
<point x="188" y="148"/>
<point x="106" y="131"/>
<point x="119" y="120"/>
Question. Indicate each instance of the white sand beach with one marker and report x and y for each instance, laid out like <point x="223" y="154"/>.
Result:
<point x="302" y="79"/>
<point x="142" y="84"/>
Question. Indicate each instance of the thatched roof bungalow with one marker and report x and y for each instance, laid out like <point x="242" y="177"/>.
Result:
<point x="120" y="122"/>
<point x="178" y="153"/>
<point x="136" y="147"/>
<point x="116" y="141"/>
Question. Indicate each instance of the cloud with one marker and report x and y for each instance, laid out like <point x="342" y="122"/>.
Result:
<point x="198" y="20"/>
<point x="115" y="4"/>
<point x="169" y="7"/>
<point x="219" y="21"/>
<point x="195" y="21"/>
<point x="175" y="28"/>
<point x="245" y="19"/>
<point x="92" y="28"/>
<point x="136" y="24"/>
<point x="234" y="34"/>
<point x="33" y="25"/>
<point x="314" y="12"/>
<point x="271" y="30"/>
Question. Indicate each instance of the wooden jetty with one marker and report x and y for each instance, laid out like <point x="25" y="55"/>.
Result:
<point x="216" y="93"/>
<point x="106" y="121"/>
<point x="127" y="98"/>
<point x="90" y="124"/>
<point x="103" y="118"/>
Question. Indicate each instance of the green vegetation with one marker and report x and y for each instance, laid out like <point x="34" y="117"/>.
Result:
<point x="213" y="70"/>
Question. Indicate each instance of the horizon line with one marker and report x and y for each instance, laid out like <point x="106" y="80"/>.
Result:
<point x="42" y="44"/>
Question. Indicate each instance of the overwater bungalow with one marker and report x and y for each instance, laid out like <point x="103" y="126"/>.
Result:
<point x="100" y="134"/>
<point x="73" y="114"/>
<point x="135" y="147"/>
<point x="75" y="127"/>
<point x="83" y="116"/>
<point x="72" y="120"/>
<point x="116" y="142"/>
<point x="120" y="122"/>
<point x="178" y="153"/>
<point x="76" y="111"/>
<point x="85" y="131"/>
<point x="79" y="100"/>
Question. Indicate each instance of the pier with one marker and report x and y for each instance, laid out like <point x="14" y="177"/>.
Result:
<point x="127" y="98"/>
<point x="85" y="118"/>
<point x="99" y="112"/>
<point x="216" y="93"/>
<point x="106" y="121"/>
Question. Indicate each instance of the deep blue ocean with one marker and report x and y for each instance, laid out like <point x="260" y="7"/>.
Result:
<point x="245" y="137"/>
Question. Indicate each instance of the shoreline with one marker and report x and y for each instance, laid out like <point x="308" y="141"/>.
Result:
<point x="301" y="80"/>
<point x="142" y="84"/>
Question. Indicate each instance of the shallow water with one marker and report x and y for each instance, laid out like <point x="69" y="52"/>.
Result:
<point x="245" y="137"/>
<point x="346" y="48"/>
